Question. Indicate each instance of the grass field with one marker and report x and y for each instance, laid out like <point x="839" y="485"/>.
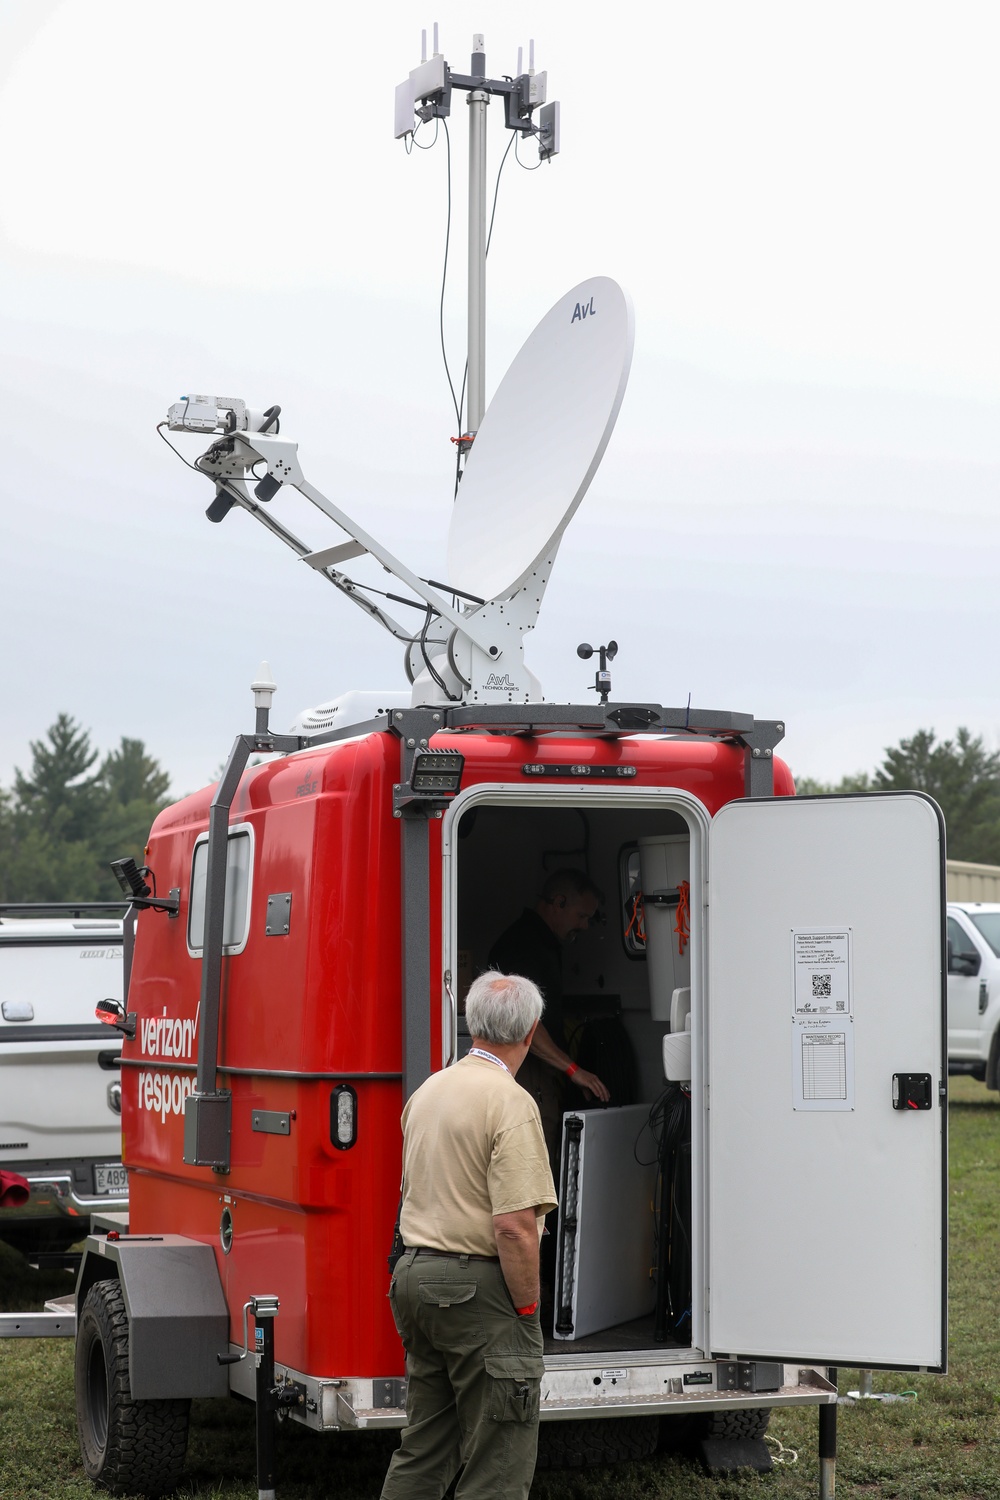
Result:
<point x="944" y="1443"/>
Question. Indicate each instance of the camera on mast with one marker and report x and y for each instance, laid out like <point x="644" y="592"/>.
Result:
<point x="221" y="414"/>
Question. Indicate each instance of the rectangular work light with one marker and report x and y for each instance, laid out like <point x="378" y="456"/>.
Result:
<point x="437" y="771"/>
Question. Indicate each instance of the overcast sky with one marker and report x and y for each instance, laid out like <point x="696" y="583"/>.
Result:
<point x="799" y="512"/>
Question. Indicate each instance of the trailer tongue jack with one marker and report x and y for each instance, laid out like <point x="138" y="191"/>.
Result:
<point x="271" y="1398"/>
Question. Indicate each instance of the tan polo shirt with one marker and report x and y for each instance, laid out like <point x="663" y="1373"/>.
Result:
<point x="472" y="1148"/>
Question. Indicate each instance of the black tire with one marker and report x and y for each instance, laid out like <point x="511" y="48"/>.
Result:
<point x="605" y="1440"/>
<point x="744" y="1422"/>
<point x="129" y="1447"/>
<point x="992" y="1079"/>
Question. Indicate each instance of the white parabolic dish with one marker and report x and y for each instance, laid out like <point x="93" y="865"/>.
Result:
<point x="541" y="440"/>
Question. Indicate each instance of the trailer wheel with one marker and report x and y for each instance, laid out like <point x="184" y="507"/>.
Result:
<point x="128" y="1447"/>
<point x="746" y="1422"/>
<point x="606" y="1440"/>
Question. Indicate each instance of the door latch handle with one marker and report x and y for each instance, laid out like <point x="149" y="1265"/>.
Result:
<point x="911" y="1091"/>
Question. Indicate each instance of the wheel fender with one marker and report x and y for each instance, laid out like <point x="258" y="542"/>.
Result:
<point x="178" y="1319"/>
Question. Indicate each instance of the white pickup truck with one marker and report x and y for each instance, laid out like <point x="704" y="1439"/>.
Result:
<point x="60" y="1079"/>
<point x="974" y="990"/>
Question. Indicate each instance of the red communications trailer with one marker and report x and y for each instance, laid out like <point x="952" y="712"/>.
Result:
<point x="764" y="1198"/>
<point x="312" y="1009"/>
<point x="365" y="878"/>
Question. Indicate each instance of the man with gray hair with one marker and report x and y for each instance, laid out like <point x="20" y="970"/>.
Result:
<point x="476" y="1189"/>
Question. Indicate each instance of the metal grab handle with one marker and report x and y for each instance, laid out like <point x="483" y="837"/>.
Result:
<point x="234" y="1359"/>
<point x="452" y="1013"/>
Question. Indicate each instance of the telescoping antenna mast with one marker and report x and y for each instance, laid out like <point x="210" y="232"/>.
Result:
<point x="426" y="95"/>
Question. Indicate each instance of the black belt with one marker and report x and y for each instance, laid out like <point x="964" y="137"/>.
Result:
<point x="452" y="1254"/>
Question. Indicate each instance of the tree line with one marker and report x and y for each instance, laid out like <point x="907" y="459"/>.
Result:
<point x="73" y="811"/>
<point x="962" y="776"/>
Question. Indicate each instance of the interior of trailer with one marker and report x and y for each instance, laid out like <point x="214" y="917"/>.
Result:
<point x="620" y="1278"/>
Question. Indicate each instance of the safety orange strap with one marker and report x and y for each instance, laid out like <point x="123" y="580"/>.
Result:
<point x="637" y="921"/>
<point x="682" y="928"/>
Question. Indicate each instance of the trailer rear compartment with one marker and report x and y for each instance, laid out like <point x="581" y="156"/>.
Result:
<point x="616" y="1240"/>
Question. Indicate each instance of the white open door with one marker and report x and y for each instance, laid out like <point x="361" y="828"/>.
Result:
<point x="826" y="979"/>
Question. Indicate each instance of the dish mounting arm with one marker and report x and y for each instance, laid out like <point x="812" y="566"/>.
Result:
<point x="483" y="658"/>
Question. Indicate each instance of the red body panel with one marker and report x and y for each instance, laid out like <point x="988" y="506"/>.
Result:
<point x="313" y="1223"/>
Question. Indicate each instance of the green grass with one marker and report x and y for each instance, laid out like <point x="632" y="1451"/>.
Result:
<point x="944" y="1443"/>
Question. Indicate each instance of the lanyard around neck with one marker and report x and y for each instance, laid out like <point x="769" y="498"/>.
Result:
<point x="479" y="1052"/>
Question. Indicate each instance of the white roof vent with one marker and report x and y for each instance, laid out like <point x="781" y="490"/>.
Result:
<point x="348" y="709"/>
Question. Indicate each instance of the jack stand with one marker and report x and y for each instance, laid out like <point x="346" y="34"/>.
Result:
<point x="865" y="1392"/>
<point x="828" y="1444"/>
<point x="264" y="1311"/>
<point x="268" y="1397"/>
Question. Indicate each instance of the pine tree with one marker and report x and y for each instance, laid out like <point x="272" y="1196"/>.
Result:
<point x="962" y="776"/>
<point x="65" y="822"/>
<point x="136" y="788"/>
<point x="130" y="775"/>
<point x="58" y="797"/>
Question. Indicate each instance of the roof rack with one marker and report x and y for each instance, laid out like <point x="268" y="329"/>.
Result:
<point x="757" y="737"/>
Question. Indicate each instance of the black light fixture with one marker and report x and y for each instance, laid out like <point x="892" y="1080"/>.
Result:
<point x="438" y="771"/>
<point x="113" y="1013"/>
<point x="435" y="778"/>
<point x="130" y="877"/>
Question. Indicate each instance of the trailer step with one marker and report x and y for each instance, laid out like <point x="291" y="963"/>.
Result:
<point x="58" y="1321"/>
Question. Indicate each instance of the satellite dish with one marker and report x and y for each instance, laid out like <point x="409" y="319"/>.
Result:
<point x="542" y="438"/>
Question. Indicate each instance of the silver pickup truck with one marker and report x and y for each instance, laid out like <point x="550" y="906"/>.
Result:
<point x="60" y="1089"/>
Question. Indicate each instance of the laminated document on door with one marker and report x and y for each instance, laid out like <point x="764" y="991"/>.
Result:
<point x="822" y="1019"/>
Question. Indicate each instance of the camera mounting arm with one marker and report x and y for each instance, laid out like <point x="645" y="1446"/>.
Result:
<point x="234" y="491"/>
<point x="281" y="458"/>
<point x="477" y="648"/>
<point x="484" y="635"/>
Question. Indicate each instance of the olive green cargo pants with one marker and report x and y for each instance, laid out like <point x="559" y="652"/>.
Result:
<point x="474" y="1372"/>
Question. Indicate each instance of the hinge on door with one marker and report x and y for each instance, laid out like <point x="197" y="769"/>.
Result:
<point x="744" y="1375"/>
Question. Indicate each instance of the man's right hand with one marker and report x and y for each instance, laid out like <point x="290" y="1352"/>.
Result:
<point x="517" y="1247"/>
<point x="591" y="1084"/>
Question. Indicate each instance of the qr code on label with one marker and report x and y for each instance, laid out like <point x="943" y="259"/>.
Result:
<point x="822" y="986"/>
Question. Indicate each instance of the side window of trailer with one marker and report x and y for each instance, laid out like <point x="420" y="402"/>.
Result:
<point x="239" y="869"/>
<point x="630" y="886"/>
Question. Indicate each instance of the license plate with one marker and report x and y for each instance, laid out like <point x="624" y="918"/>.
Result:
<point x="111" y="1179"/>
